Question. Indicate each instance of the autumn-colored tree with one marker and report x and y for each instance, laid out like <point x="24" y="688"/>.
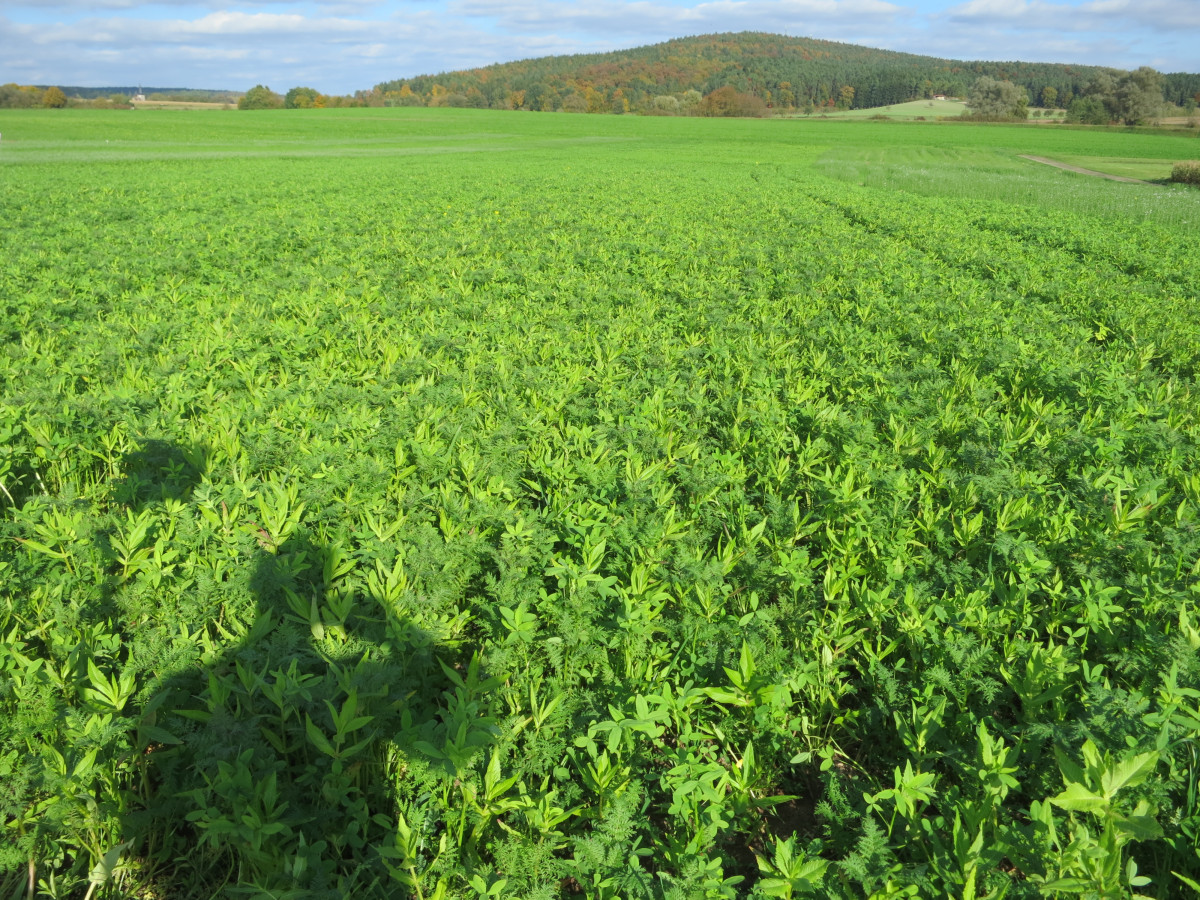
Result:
<point x="54" y="98"/>
<point x="726" y="101"/>
<point x="13" y="96"/>
<point x="403" y="97"/>
<point x="720" y="102"/>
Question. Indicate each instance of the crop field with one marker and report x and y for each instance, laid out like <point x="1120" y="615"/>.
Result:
<point x="180" y="104"/>
<point x="457" y="504"/>
<point x="983" y="163"/>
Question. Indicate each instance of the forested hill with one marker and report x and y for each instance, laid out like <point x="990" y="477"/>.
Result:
<point x="779" y="71"/>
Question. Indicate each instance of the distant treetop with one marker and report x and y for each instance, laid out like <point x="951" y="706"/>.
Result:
<point x="260" y="97"/>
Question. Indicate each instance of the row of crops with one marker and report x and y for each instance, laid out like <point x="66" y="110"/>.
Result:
<point x="602" y="522"/>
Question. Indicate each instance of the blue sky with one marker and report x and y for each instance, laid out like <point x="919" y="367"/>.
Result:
<point x="338" y="46"/>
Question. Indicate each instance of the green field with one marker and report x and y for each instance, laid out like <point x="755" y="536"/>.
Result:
<point x="459" y="504"/>
<point x="914" y="109"/>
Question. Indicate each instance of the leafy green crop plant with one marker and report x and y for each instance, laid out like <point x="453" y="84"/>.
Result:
<point x="636" y="512"/>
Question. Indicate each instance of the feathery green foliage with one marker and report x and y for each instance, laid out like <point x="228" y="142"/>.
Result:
<point x="449" y="506"/>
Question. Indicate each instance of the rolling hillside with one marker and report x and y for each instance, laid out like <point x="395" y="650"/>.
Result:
<point x="780" y="71"/>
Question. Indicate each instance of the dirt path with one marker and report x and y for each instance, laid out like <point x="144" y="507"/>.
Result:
<point x="1081" y="170"/>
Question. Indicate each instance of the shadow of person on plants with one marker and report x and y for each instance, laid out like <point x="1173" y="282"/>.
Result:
<point x="263" y="765"/>
<point x="268" y="761"/>
<point x="160" y="470"/>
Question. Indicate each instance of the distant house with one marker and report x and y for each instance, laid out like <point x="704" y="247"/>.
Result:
<point x="139" y="97"/>
<point x="939" y="96"/>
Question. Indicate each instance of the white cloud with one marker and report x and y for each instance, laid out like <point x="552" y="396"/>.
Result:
<point x="86" y="7"/>
<point x="665" y="19"/>
<point x="369" y="51"/>
<point x="94" y="6"/>
<point x="210" y="54"/>
<point x="1095" y="15"/>
<point x="214" y="27"/>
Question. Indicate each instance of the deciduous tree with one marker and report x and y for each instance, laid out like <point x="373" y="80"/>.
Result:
<point x="726" y="101"/>
<point x="260" y="97"/>
<point x="1088" y="111"/>
<point x="1137" y="96"/>
<point x="992" y="99"/>
<point x="54" y="98"/>
<point x="13" y="96"/>
<point x="302" y="98"/>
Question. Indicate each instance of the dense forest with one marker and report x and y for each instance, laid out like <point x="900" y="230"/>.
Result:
<point x="778" y="71"/>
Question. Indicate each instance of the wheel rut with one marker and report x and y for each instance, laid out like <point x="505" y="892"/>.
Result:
<point x="1082" y="171"/>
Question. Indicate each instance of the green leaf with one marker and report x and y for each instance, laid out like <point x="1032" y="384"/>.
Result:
<point x="775" y="887"/>
<point x="1077" y="798"/>
<point x="103" y="869"/>
<point x="1140" y="828"/>
<point x="1070" y="769"/>
<point x="1194" y="885"/>
<point x="1128" y="773"/>
<point x="429" y="750"/>
<point x="318" y="737"/>
<point x="161" y="735"/>
<point x="42" y="548"/>
<point x="722" y="695"/>
<point x="1067" y="885"/>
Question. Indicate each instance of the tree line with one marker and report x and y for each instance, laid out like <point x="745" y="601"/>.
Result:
<point x="1111" y="96"/>
<point x="262" y="97"/>
<point x="28" y="96"/>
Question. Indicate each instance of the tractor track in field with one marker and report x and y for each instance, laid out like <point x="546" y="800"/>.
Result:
<point x="1082" y="171"/>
